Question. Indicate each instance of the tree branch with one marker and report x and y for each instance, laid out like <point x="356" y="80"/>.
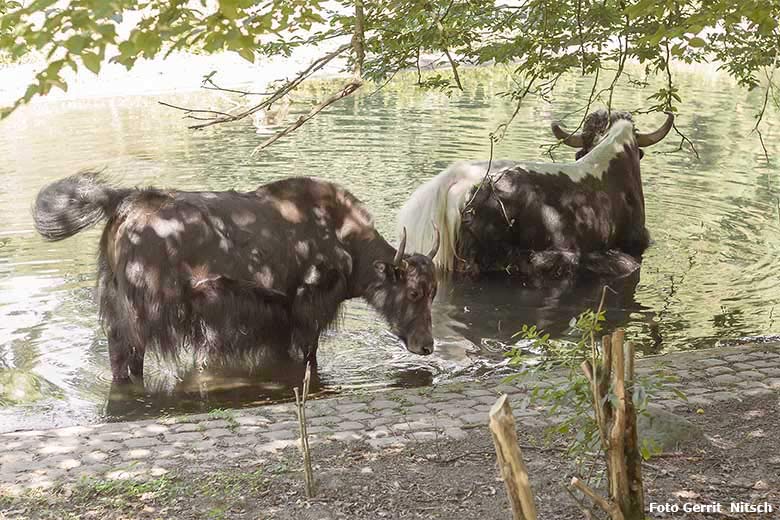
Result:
<point x="760" y="115"/>
<point x="358" y="40"/>
<point x="355" y="83"/>
<point x="221" y="117"/>
<point x="454" y="66"/>
<point x="607" y="506"/>
<point x="348" y="89"/>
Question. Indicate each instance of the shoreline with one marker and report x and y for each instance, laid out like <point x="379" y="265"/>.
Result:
<point x="44" y="459"/>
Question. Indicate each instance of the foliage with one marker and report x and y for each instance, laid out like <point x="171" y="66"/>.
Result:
<point x="572" y="397"/>
<point x="225" y="415"/>
<point x="540" y="39"/>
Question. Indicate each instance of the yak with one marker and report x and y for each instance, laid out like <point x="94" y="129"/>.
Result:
<point x="226" y="273"/>
<point x="542" y="220"/>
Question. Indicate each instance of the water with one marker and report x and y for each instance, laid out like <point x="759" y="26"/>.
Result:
<point x="710" y="277"/>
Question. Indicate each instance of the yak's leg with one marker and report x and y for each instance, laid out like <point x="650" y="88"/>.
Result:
<point x="114" y="325"/>
<point x="305" y="338"/>
<point x="119" y="356"/>
<point x="315" y="307"/>
<point x="136" y="362"/>
<point x="125" y="355"/>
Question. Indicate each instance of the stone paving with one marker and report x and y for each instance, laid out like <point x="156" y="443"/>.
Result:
<point x="146" y="449"/>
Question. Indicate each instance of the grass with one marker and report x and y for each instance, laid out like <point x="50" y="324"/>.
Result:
<point x="401" y="400"/>
<point x="456" y="387"/>
<point x="226" y="415"/>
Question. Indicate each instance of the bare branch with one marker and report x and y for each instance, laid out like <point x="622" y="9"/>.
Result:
<point x="358" y="40"/>
<point x="591" y="97"/>
<point x="505" y="125"/>
<point x="607" y="506"/>
<point x="355" y="83"/>
<point x="454" y="66"/>
<point x="760" y="115"/>
<point x="194" y="110"/>
<point x="221" y="117"/>
<point x="209" y="84"/>
<point x="348" y="89"/>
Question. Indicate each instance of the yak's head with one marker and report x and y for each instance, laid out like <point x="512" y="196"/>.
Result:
<point x="596" y="126"/>
<point x="404" y="295"/>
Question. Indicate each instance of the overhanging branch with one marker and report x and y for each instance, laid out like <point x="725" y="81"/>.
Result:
<point x="352" y="85"/>
<point x="348" y="89"/>
<point x="288" y="87"/>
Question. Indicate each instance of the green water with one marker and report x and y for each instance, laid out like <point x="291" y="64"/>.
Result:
<point x="709" y="278"/>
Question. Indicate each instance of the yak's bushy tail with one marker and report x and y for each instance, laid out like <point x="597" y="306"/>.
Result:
<point x="69" y="205"/>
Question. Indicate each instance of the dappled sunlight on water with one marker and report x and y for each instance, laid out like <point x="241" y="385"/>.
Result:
<point x="709" y="277"/>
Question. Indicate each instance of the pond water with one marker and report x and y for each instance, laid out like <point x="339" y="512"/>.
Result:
<point x="711" y="276"/>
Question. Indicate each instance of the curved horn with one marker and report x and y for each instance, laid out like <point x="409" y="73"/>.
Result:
<point x="401" y="246"/>
<point x="654" y="137"/>
<point x="436" y="241"/>
<point x="573" y="140"/>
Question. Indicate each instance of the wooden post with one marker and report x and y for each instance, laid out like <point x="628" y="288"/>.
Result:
<point x="636" y="502"/>
<point x="510" y="460"/>
<point x="300" y="402"/>
<point x="617" y="424"/>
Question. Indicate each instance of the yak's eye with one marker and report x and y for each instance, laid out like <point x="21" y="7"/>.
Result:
<point x="413" y="294"/>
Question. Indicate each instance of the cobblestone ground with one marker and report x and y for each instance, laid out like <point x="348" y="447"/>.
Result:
<point x="147" y="449"/>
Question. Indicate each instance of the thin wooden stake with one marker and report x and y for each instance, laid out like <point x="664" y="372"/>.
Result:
<point x="616" y="453"/>
<point x="636" y="502"/>
<point x="300" y="403"/>
<point x="510" y="460"/>
<point x="617" y="425"/>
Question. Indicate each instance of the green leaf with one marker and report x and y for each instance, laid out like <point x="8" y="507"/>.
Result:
<point x="696" y="42"/>
<point x="91" y="61"/>
<point x="229" y="9"/>
<point x="76" y="44"/>
<point x="107" y="30"/>
<point x="247" y="54"/>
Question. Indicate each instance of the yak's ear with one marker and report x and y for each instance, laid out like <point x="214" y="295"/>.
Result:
<point x="385" y="270"/>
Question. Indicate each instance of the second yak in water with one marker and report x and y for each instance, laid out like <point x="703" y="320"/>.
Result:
<point x="542" y="220"/>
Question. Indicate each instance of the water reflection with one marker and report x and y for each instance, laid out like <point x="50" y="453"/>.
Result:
<point x="199" y="390"/>
<point x="489" y="313"/>
<point x="710" y="276"/>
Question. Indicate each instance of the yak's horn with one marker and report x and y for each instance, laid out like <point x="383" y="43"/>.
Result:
<point x="401" y="246"/>
<point x="652" y="138"/>
<point x="573" y="140"/>
<point x="435" y="248"/>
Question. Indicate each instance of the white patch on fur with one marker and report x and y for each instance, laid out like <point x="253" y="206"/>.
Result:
<point x="302" y="249"/>
<point x="134" y="272"/>
<point x="165" y="228"/>
<point x="553" y="222"/>
<point x="595" y="163"/>
<point x="243" y="218"/>
<point x="265" y="278"/>
<point x="441" y="199"/>
<point x="288" y="210"/>
<point x="357" y="221"/>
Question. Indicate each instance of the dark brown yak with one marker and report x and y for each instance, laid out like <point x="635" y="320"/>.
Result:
<point x="228" y="272"/>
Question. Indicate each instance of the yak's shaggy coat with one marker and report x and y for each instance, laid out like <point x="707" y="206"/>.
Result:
<point x="227" y="272"/>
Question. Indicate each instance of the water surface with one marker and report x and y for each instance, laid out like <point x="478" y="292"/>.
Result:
<point x="709" y="278"/>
